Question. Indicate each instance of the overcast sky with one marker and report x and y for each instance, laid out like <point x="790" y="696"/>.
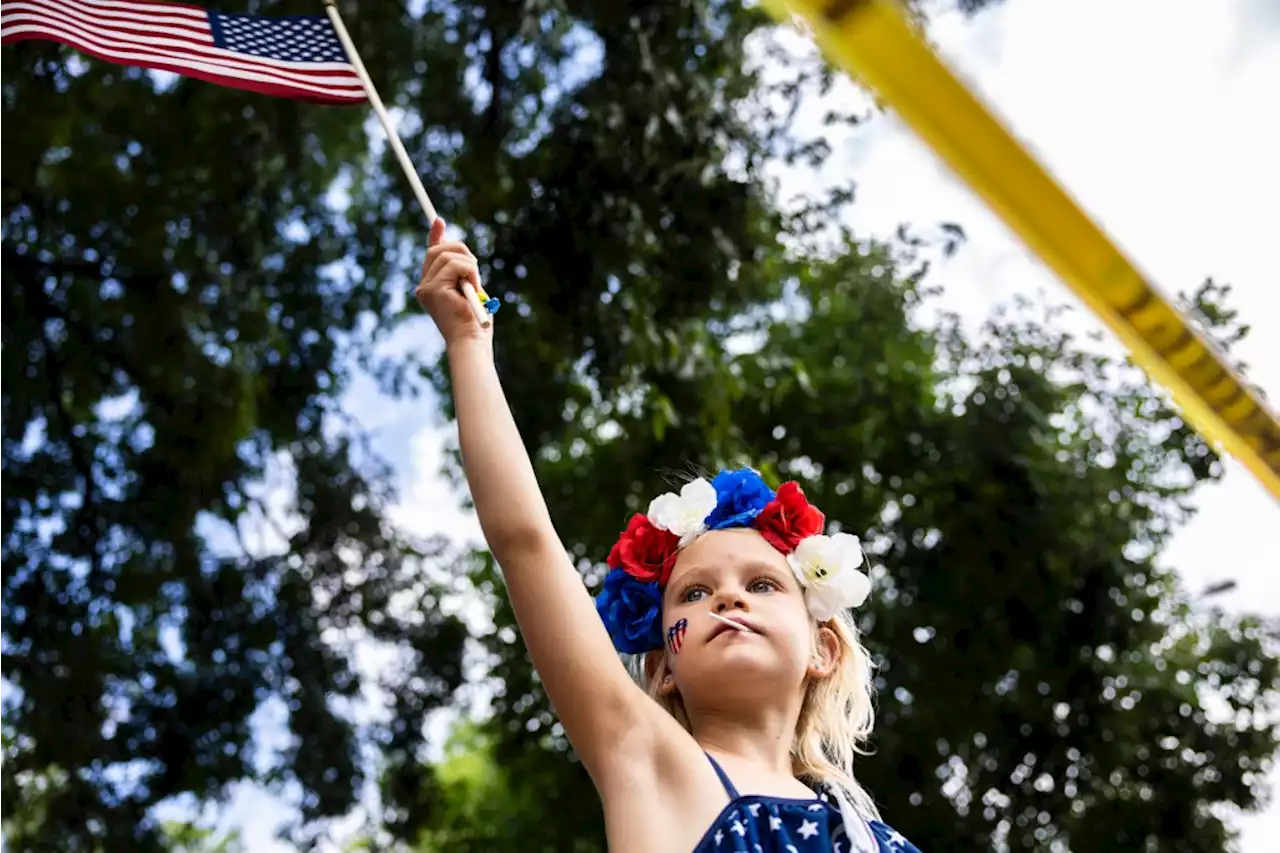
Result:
<point x="1159" y="116"/>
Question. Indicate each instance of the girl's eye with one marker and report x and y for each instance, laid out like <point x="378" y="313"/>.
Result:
<point x="762" y="585"/>
<point x="694" y="594"/>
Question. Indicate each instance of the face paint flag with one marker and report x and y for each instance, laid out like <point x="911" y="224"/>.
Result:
<point x="292" y="57"/>
<point x="675" y="635"/>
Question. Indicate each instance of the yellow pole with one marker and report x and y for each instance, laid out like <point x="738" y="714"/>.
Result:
<point x="874" y="41"/>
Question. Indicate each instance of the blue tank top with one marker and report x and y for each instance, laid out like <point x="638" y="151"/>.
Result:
<point x="759" y="824"/>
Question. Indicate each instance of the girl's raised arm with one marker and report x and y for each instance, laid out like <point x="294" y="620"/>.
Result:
<point x="595" y="698"/>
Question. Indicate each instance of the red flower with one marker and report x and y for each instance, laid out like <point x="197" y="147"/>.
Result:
<point x="645" y="552"/>
<point x="788" y="518"/>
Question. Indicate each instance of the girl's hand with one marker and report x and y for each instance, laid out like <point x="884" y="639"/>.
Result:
<point x="447" y="266"/>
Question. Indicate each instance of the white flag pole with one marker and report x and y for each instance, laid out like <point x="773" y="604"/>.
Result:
<point x="393" y="138"/>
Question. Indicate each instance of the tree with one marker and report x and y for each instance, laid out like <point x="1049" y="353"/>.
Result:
<point x="189" y="838"/>
<point x="176" y="331"/>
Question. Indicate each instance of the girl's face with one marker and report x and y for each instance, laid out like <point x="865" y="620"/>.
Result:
<point x="735" y="573"/>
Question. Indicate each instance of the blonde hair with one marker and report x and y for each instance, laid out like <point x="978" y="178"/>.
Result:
<point x="835" y="720"/>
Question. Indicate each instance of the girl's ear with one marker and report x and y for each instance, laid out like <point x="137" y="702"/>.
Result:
<point x="826" y="653"/>
<point x="655" y="666"/>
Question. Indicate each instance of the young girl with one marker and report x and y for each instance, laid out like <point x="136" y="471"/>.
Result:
<point x="754" y="692"/>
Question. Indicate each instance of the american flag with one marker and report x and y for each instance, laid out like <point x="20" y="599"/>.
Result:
<point x="292" y="57"/>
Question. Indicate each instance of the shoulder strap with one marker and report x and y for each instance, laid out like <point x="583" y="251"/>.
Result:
<point x="724" y="777"/>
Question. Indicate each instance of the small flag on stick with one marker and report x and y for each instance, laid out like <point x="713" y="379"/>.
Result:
<point x="296" y="57"/>
<point x="309" y="57"/>
<point x="482" y="305"/>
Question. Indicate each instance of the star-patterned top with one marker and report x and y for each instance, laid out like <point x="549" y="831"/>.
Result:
<point x="757" y="824"/>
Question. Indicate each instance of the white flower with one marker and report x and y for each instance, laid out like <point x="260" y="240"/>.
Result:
<point x="684" y="514"/>
<point x="827" y="568"/>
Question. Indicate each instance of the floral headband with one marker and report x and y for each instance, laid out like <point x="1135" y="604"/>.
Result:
<point x="640" y="563"/>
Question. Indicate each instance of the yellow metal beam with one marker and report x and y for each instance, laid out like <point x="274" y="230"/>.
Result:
<point x="874" y="41"/>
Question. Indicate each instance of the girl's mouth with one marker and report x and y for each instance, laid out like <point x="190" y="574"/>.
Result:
<point x="727" y="624"/>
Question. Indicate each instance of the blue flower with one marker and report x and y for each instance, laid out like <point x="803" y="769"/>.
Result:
<point x="632" y="612"/>
<point x="742" y="495"/>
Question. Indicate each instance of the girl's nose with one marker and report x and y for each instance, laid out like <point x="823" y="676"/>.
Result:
<point x="730" y="600"/>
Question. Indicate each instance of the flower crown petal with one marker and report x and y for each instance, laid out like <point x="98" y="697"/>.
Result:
<point x="684" y="514"/>
<point x="632" y="612"/>
<point x="644" y="551"/>
<point x="827" y="568"/>
<point x="741" y="496"/>
<point x="789" y="518"/>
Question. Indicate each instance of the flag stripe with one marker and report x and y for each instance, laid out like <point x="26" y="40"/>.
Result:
<point x="112" y="19"/>
<point x="149" y="8"/>
<point x="180" y="38"/>
<point x="32" y="12"/>
<point x="180" y="47"/>
<point x="41" y="9"/>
